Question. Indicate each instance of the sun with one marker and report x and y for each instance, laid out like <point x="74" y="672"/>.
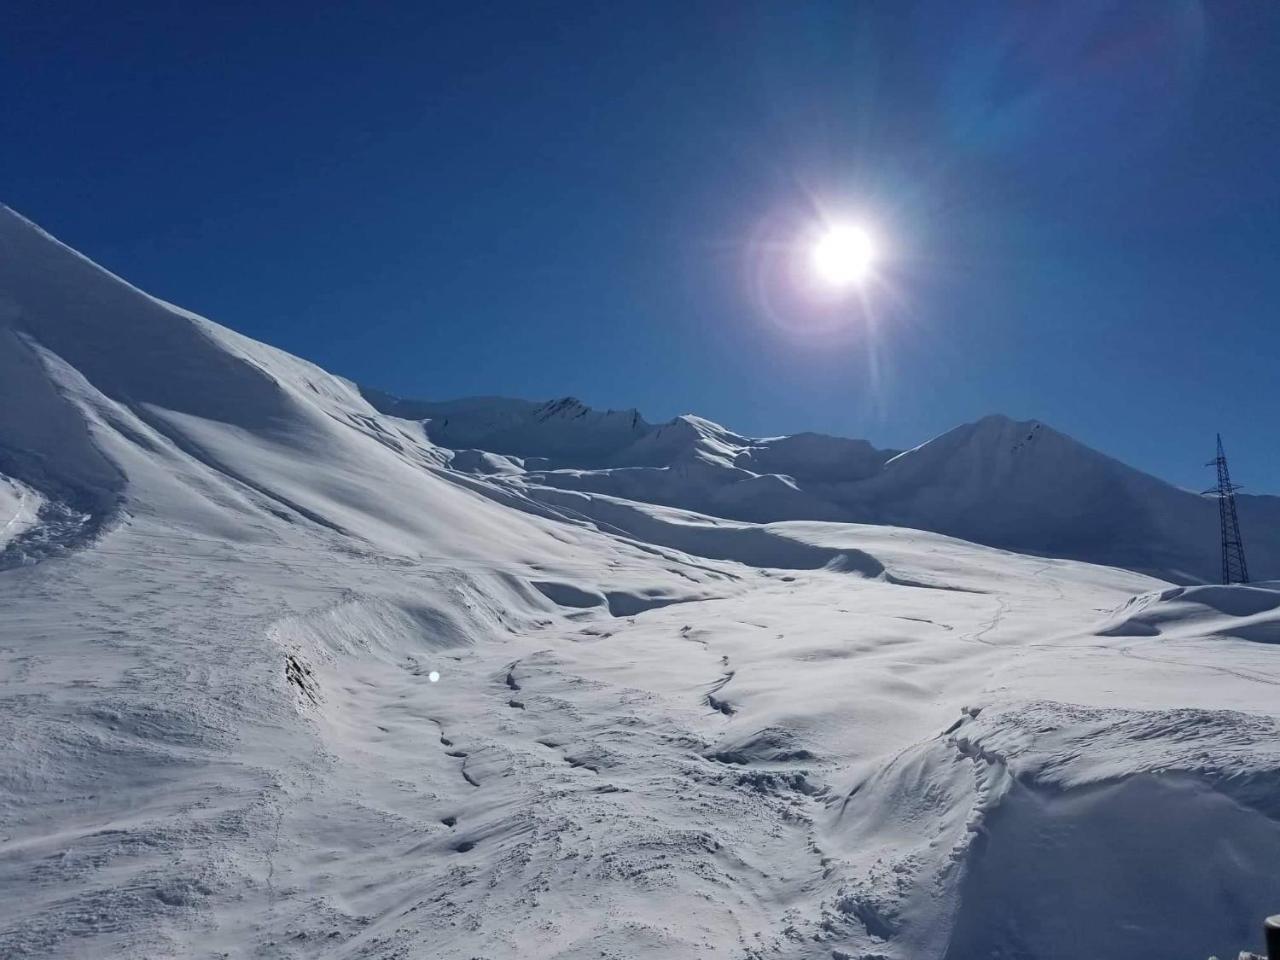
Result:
<point x="843" y="256"/>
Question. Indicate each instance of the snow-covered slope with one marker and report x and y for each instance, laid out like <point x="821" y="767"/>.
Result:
<point x="1025" y="486"/>
<point x="278" y="679"/>
<point x="1017" y="485"/>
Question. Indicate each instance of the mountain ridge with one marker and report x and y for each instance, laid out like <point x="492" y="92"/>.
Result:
<point x="1017" y="484"/>
<point x="285" y="674"/>
<point x="108" y="385"/>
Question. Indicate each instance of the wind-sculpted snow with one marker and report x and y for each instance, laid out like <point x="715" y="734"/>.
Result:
<point x="281" y="677"/>
<point x="1065" y="862"/>
<point x="1068" y="875"/>
<point x="1241" y="611"/>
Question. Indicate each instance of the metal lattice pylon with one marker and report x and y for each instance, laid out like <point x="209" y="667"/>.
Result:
<point x="1234" y="568"/>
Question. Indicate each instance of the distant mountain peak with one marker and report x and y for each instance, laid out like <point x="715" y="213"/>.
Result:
<point x="565" y="407"/>
<point x="1015" y="483"/>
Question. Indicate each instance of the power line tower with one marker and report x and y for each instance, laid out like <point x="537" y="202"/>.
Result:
<point x="1234" y="569"/>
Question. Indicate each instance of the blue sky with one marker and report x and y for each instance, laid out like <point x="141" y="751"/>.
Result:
<point x="1079" y="207"/>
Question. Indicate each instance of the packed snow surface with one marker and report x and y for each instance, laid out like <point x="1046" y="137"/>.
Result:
<point x="282" y="678"/>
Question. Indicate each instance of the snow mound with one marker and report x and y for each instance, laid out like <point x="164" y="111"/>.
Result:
<point x="1059" y="876"/>
<point x="1247" y="612"/>
<point x="1113" y="828"/>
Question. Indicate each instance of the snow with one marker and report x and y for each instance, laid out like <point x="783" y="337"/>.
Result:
<point x="19" y="507"/>
<point x="284" y="677"/>
<point x="1245" y="612"/>
<point x="1020" y="485"/>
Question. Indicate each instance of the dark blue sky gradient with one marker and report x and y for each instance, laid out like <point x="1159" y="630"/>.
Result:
<point x="1080" y="202"/>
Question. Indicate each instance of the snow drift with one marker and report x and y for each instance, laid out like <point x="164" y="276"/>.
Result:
<point x="1238" y="610"/>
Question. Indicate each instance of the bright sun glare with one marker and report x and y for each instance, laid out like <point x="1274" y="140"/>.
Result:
<point x="843" y="256"/>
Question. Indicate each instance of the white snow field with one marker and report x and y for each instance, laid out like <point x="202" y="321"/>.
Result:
<point x="278" y="681"/>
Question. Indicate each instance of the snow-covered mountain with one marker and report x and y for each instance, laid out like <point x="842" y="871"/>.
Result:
<point x="287" y="672"/>
<point x="1017" y="485"/>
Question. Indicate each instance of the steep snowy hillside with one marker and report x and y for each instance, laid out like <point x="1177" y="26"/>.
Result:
<point x="1025" y="486"/>
<point x="1017" y="485"/>
<point x="280" y="679"/>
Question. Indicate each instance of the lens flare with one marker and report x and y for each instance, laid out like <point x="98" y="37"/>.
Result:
<point x="843" y="256"/>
